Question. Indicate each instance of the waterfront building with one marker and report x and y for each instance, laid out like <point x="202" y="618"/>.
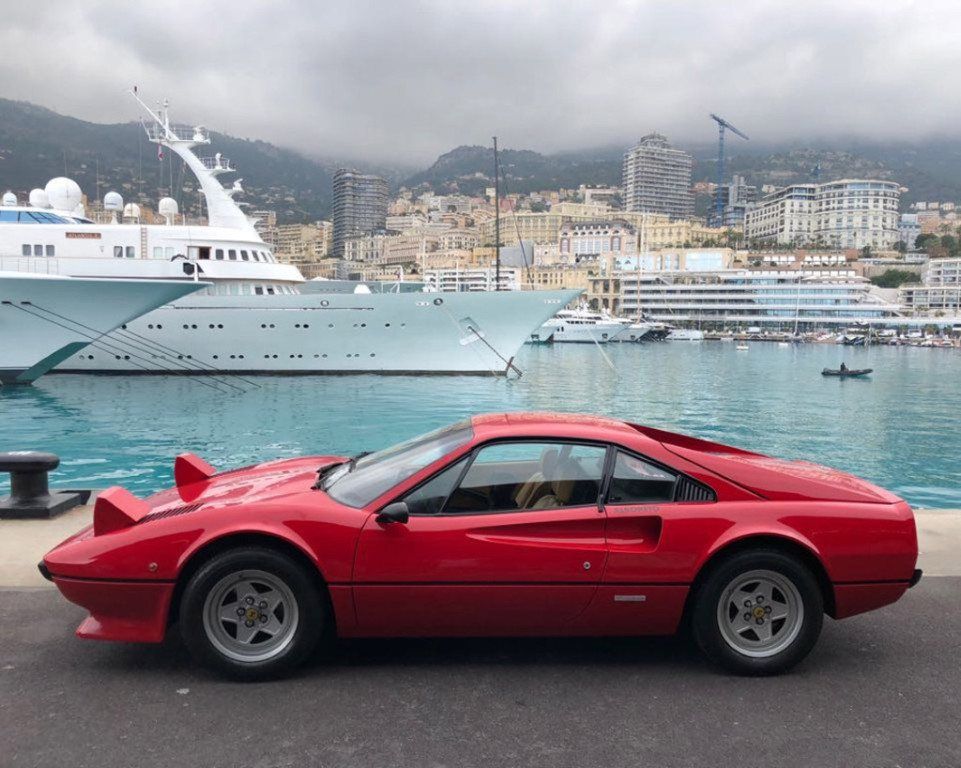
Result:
<point x="939" y="290"/>
<point x="734" y="197"/>
<point x="727" y="298"/>
<point x="470" y="279"/>
<point x="849" y="213"/>
<point x="541" y="228"/>
<point x="585" y="238"/>
<point x="557" y="276"/>
<point x="302" y="243"/>
<point x="360" y="206"/>
<point x="657" y="178"/>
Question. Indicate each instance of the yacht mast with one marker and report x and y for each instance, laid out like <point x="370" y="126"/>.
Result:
<point x="497" y="221"/>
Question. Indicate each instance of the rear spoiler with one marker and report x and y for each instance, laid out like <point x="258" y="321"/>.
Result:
<point x="189" y="468"/>
<point x="117" y="508"/>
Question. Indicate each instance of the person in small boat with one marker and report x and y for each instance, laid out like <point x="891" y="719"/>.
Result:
<point x="844" y="368"/>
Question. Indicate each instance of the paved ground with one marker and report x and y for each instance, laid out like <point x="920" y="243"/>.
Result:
<point x="882" y="689"/>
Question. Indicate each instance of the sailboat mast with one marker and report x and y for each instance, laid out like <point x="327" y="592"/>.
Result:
<point x="497" y="221"/>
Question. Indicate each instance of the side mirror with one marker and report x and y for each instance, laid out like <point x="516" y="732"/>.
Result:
<point x="394" y="513"/>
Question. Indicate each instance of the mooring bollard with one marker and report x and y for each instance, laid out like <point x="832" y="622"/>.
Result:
<point x="30" y="495"/>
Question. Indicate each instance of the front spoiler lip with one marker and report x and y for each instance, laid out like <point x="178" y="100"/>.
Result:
<point x="915" y="577"/>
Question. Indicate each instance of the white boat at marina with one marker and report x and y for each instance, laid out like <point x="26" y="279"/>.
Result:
<point x="580" y="326"/>
<point x="45" y="319"/>
<point x="253" y="316"/>
<point x="685" y="334"/>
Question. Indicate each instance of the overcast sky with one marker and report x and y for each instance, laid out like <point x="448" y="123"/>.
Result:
<point x="404" y="81"/>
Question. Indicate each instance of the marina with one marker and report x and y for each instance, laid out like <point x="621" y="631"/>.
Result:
<point x="897" y="427"/>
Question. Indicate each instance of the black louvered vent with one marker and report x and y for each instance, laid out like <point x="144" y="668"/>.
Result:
<point x="688" y="490"/>
<point x="171" y="512"/>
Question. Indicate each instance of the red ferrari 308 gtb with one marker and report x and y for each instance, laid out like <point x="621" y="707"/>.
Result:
<point x="512" y="524"/>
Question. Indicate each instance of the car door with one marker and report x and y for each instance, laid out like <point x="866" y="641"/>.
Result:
<point x="508" y="541"/>
<point x="646" y="524"/>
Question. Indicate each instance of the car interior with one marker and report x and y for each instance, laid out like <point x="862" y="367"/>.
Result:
<point x="529" y="475"/>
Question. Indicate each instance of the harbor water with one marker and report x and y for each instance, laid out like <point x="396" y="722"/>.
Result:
<point x="900" y="428"/>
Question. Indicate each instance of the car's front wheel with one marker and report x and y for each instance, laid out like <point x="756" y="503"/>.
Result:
<point x="758" y="612"/>
<point x="252" y="613"/>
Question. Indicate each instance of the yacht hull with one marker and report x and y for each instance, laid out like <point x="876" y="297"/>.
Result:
<point x="45" y="319"/>
<point x="332" y="333"/>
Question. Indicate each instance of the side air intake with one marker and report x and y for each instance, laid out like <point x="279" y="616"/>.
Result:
<point x="688" y="490"/>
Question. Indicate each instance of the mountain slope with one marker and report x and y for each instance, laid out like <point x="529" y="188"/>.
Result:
<point x="37" y="144"/>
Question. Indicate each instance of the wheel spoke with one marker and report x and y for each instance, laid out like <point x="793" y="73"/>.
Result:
<point x="272" y="627"/>
<point x="228" y="612"/>
<point x="246" y="634"/>
<point x="779" y="612"/>
<point x="763" y="631"/>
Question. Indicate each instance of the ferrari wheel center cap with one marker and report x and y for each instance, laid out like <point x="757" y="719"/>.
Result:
<point x="253" y="614"/>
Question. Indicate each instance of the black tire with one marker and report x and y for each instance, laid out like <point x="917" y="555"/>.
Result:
<point x="309" y="606"/>
<point x="705" y="619"/>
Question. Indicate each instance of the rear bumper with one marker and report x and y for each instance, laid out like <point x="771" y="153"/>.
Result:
<point x="852" y="599"/>
<point x="915" y="578"/>
<point x="125" y="611"/>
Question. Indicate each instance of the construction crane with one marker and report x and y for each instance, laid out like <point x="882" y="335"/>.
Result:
<point x="719" y="202"/>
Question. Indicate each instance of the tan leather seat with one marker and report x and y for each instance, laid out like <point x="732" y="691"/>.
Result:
<point x="560" y="496"/>
<point x="538" y="485"/>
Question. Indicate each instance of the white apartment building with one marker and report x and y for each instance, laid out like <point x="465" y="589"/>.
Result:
<point x="940" y="290"/>
<point x="849" y="213"/>
<point x="457" y="279"/>
<point x="657" y="178"/>
<point x="595" y="238"/>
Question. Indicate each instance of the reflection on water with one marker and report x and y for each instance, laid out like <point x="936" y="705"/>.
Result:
<point x="900" y="428"/>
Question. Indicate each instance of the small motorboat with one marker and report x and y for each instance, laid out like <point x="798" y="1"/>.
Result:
<point x="846" y="372"/>
<point x="742" y="347"/>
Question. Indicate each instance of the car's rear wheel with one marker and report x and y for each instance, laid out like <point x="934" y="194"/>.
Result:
<point x="758" y="612"/>
<point x="252" y="613"/>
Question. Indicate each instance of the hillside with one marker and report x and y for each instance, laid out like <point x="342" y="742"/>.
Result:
<point x="37" y="144"/>
<point x="930" y="171"/>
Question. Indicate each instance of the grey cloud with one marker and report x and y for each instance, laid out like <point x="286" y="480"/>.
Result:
<point x="403" y="81"/>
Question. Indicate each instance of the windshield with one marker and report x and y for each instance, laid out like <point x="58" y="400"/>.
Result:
<point x="358" y="482"/>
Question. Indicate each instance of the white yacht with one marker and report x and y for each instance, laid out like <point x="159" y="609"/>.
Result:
<point x="685" y="334"/>
<point x="580" y="326"/>
<point x="45" y="319"/>
<point x="253" y="318"/>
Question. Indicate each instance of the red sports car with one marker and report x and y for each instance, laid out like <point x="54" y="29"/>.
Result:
<point x="511" y="524"/>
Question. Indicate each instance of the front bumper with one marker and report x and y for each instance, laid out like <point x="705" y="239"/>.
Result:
<point x="124" y="611"/>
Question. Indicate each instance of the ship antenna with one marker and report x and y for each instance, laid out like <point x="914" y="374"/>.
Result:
<point x="497" y="222"/>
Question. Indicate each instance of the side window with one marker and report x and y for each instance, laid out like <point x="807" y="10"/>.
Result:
<point x="51" y="250"/>
<point x="131" y="252"/>
<point x="231" y="254"/>
<point x="634" y="481"/>
<point x="529" y="475"/>
<point x="25" y="249"/>
<point x="38" y="250"/>
<point x="219" y="254"/>
<point x="429" y="498"/>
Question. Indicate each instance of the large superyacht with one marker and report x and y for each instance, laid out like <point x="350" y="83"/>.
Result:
<point x="253" y="317"/>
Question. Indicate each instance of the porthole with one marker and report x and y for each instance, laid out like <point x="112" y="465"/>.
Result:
<point x="194" y="327"/>
<point x="211" y="325"/>
<point x="126" y="357"/>
<point x="186" y="327"/>
<point x="150" y="326"/>
<point x="241" y="357"/>
<point x="330" y="325"/>
<point x="233" y="357"/>
<point x="438" y="302"/>
<point x="386" y="325"/>
<point x="325" y="303"/>
<point x="306" y="325"/>
<point x="220" y="325"/>
<point x="216" y="357"/>
<point x="159" y="326"/>
<point x="180" y="357"/>
<point x="124" y="327"/>
<point x="363" y="325"/>
<point x="323" y="355"/>
<point x="372" y="354"/>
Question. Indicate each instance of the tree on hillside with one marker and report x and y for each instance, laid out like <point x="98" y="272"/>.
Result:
<point x="894" y="278"/>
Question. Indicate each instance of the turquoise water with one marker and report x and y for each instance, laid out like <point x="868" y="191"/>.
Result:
<point x="901" y="428"/>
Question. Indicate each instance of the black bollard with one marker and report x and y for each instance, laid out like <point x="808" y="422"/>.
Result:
<point x="30" y="495"/>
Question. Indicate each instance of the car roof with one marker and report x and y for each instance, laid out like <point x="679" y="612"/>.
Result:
<point x="533" y="420"/>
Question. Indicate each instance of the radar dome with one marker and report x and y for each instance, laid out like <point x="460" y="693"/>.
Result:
<point x="38" y="198"/>
<point x="9" y="198"/>
<point x="131" y="211"/>
<point x="64" y="194"/>
<point x="167" y="207"/>
<point x="112" y="201"/>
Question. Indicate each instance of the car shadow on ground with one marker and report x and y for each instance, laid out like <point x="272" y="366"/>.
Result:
<point x="637" y="652"/>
